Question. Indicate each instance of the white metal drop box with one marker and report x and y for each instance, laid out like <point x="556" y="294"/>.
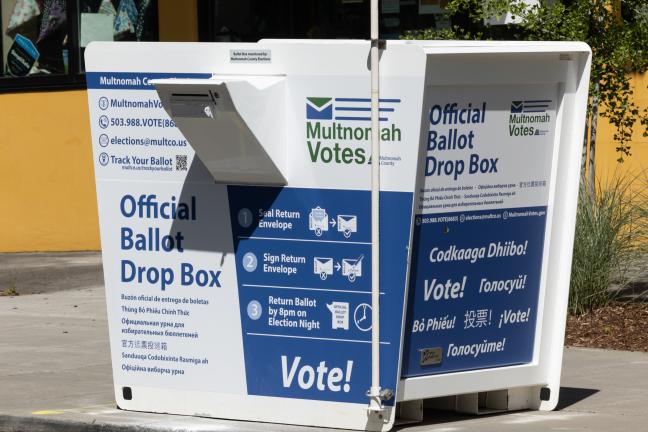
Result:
<point x="233" y="188"/>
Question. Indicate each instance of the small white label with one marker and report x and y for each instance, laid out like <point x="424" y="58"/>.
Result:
<point x="250" y="56"/>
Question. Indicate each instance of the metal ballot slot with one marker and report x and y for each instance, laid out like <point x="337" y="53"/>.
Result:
<point x="234" y="123"/>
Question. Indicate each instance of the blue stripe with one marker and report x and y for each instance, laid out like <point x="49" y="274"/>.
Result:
<point x="529" y="111"/>
<point x="538" y="101"/>
<point x="132" y="80"/>
<point x="359" y="118"/>
<point x="27" y="45"/>
<point x="365" y="100"/>
<point x="362" y="109"/>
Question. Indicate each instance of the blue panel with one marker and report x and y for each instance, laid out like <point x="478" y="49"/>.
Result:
<point x="474" y="288"/>
<point x="303" y="261"/>
<point x="133" y="80"/>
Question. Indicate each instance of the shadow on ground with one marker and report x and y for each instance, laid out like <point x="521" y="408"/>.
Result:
<point x="568" y="396"/>
<point x="634" y="290"/>
<point x="572" y="395"/>
<point x="632" y="283"/>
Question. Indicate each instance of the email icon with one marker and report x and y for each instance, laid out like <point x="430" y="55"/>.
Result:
<point x="347" y="224"/>
<point x="319" y="108"/>
<point x="517" y="106"/>
<point x="323" y="267"/>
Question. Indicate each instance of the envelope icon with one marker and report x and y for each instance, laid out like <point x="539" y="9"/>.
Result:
<point x="323" y="266"/>
<point x="347" y="224"/>
<point x="319" y="108"/>
<point x="318" y="221"/>
<point x="517" y="106"/>
<point x="352" y="267"/>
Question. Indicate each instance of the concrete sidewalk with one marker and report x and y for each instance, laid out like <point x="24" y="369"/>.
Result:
<point x="55" y="376"/>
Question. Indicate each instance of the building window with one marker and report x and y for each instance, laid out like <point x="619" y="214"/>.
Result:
<point x="43" y="41"/>
<point x="117" y="20"/>
<point x="251" y="20"/>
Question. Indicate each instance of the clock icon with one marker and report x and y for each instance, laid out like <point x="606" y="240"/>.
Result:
<point x="362" y="317"/>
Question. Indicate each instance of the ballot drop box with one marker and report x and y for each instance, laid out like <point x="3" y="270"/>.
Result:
<point x="233" y="185"/>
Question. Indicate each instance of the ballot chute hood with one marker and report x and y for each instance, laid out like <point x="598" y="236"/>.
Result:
<point x="235" y="124"/>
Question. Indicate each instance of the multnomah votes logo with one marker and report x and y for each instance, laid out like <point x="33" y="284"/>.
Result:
<point x="338" y="129"/>
<point x="327" y="108"/>
<point x="529" y="117"/>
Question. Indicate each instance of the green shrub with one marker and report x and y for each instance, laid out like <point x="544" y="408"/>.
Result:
<point x="611" y="227"/>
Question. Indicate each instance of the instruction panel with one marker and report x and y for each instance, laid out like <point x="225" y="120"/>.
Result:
<point x="303" y="259"/>
<point x="479" y="234"/>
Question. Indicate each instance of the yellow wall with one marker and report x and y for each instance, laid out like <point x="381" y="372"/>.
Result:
<point x="47" y="191"/>
<point x="606" y="156"/>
